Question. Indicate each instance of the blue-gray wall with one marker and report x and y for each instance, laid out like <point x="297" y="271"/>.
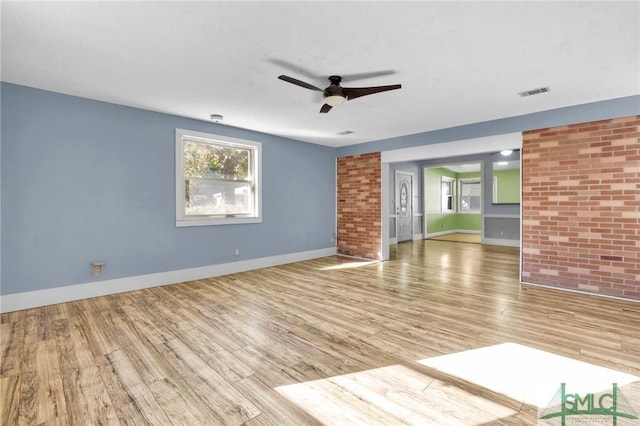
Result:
<point x="84" y="180"/>
<point x="613" y="108"/>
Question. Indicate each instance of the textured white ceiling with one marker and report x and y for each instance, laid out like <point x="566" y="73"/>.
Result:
<point x="458" y="62"/>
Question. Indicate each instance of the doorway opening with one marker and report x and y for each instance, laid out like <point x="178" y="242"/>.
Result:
<point x="453" y="202"/>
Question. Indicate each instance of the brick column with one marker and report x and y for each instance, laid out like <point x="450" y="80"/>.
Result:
<point x="581" y="207"/>
<point x="359" y="205"/>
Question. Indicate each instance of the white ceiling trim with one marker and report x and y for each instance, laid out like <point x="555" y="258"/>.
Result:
<point x="458" y="148"/>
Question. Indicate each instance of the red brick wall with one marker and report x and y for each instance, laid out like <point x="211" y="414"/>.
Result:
<point x="581" y="207"/>
<point x="359" y="205"/>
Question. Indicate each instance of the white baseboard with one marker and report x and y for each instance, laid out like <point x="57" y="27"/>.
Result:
<point x="571" y="290"/>
<point x="52" y="296"/>
<point x="415" y="237"/>
<point x="451" y="231"/>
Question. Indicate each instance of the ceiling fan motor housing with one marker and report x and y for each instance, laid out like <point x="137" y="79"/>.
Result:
<point x="335" y="89"/>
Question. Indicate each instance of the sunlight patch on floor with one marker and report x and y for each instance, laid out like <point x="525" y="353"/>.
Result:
<point x="529" y="375"/>
<point x="350" y="265"/>
<point x="389" y="396"/>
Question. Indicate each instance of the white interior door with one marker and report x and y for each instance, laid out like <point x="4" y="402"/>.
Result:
<point x="404" y="206"/>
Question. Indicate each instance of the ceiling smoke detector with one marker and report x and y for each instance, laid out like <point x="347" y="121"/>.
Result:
<point x="534" y="91"/>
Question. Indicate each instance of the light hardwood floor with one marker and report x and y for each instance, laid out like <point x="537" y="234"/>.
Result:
<point x="429" y="337"/>
<point x="460" y="238"/>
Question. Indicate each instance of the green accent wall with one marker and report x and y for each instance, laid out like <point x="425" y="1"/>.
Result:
<point x="443" y="222"/>
<point x="469" y="222"/>
<point x="508" y="185"/>
<point x="467" y="175"/>
<point x="452" y="222"/>
<point x="432" y="181"/>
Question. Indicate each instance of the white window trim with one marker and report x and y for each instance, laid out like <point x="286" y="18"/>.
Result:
<point x="452" y="181"/>
<point x="468" y="180"/>
<point x="181" y="219"/>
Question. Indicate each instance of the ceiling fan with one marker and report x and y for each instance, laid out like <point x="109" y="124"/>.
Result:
<point x="336" y="94"/>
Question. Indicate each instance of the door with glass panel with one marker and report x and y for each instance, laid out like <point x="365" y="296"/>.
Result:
<point x="404" y="206"/>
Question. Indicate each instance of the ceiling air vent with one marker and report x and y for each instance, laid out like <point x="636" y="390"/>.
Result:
<point x="534" y="91"/>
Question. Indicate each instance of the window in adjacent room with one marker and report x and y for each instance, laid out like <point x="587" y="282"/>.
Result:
<point x="217" y="179"/>
<point x="448" y="191"/>
<point x="470" y="195"/>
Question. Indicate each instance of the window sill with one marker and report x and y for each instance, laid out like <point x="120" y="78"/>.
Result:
<point x="217" y="221"/>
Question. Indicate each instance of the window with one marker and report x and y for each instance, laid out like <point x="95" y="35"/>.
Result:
<point x="448" y="191"/>
<point x="470" y="195"/>
<point x="217" y="180"/>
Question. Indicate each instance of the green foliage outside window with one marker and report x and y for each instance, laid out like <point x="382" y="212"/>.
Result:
<point x="212" y="161"/>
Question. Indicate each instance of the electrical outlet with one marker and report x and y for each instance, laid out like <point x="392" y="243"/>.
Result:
<point x="237" y="252"/>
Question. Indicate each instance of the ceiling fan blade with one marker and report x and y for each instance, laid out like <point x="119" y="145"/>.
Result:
<point x="356" y="92"/>
<point x="298" y="70"/>
<point x="299" y="83"/>
<point x="325" y="108"/>
<point x="365" y="75"/>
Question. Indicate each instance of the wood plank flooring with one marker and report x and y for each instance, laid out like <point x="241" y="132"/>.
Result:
<point x="329" y="341"/>
<point x="459" y="237"/>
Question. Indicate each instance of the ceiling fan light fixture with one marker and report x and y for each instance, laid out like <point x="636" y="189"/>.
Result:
<point x="334" y="100"/>
<point x="335" y="94"/>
